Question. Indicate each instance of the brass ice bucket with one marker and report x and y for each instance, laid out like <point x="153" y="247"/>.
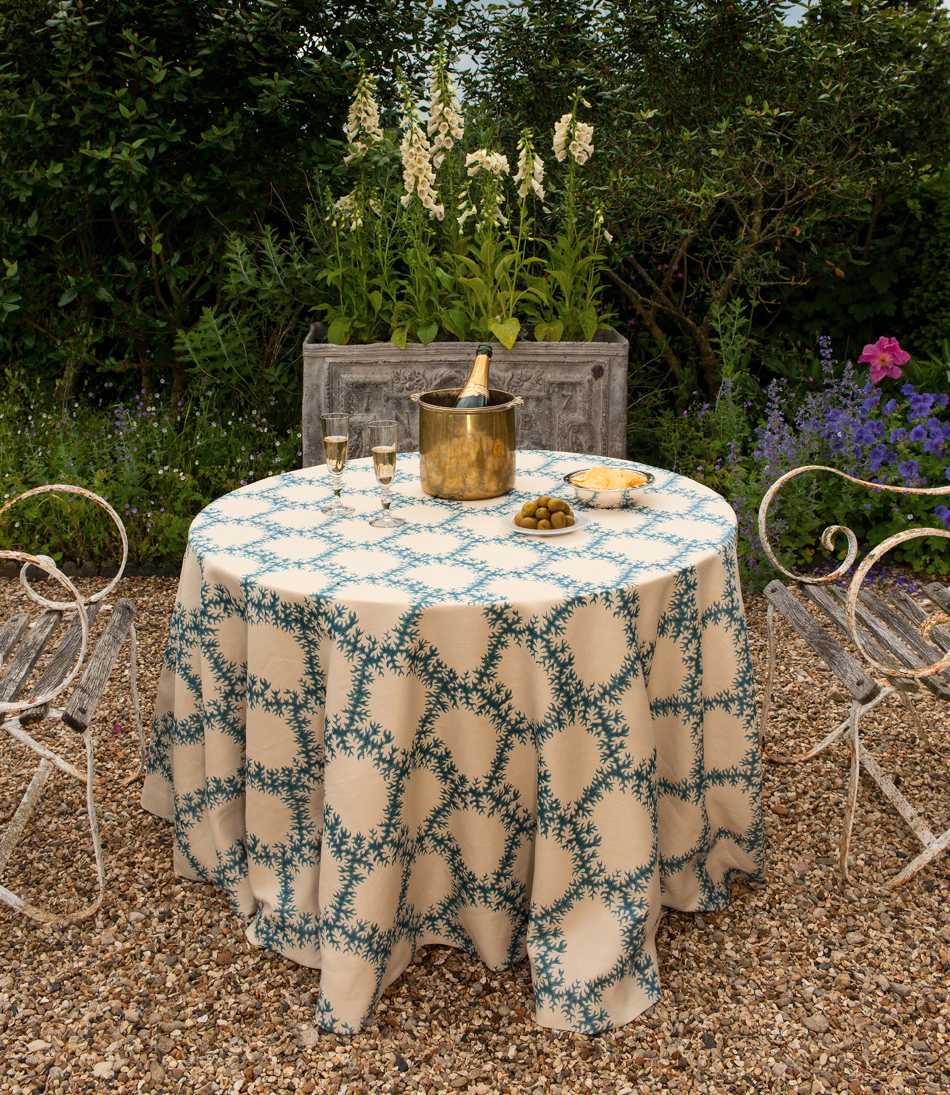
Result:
<point x="467" y="452"/>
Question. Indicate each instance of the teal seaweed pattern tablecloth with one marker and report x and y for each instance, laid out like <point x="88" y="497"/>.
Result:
<point x="374" y="740"/>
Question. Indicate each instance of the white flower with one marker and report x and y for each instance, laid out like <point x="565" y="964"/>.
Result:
<point x="445" y="117"/>
<point x="599" y="223"/>
<point x="574" y="137"/>
<point x="418" y="175"/>
<point x="346" y="209"/>
<point x="484" y="160"/>
<point x="583" y="144"/>
<point x="466" y="206"/>
<point x="530" y="169"/>
<point x="561" y="129"/>
<point x="363" y="119"/>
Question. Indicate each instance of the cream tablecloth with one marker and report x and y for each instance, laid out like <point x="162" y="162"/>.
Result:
<point x="374" y="740"/>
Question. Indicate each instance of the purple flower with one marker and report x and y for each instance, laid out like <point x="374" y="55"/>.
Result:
<point x="910" y="469"/>
<point x="890" y="406"/>
<point x="918" y="433"/>
<point x="944" y="514"/>
<point x="898" y="435"/>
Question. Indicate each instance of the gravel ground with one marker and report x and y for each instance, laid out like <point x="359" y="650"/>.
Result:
<point x="805" y="984"/>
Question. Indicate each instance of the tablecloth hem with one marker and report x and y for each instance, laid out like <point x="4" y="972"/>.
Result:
<point x="158" y="798"/>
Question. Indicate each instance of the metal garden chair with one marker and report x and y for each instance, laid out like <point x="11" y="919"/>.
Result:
<point x="21" y="645"/>
<point x="903" y="645"/>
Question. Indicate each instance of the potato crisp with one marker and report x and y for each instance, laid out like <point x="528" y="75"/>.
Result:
<point x="609" y="479"/>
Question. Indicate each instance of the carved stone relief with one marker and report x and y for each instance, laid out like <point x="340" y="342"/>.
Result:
<point x="575" y="393"/>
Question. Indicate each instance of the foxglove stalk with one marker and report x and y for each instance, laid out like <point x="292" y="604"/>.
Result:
<point x="362" y="124"/>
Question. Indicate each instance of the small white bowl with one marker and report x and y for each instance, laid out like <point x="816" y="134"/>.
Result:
<point x="616" y="498"/>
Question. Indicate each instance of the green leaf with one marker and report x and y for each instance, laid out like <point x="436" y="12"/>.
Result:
<point x="477" y="286"/>
<point x="502" y="265"/>
<point x="589" y="322"/>
<point x="549" y="332"/>
<point x="376" y="299"/>
<point x="506" y="332"/>
<point x="427" y="334"/>
<point x="540" y="285"/>
<point x="456" y="321"/>
<point x="339" y="331"/>
<point x="399" y="336"/>
<point x="69" y="295"/>
<point x="445" y="280"/>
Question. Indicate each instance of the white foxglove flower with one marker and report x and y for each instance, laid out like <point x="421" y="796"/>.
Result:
<point x="484" y="160"/>
<point x="346" y="210"/>
<point x="561" y="130"/>
<point x="363" y="119"/>
<point x="466" y="207"/>
<point x="418" y="175"/>
<point x="574" y="138"/>
<point x="445" y="112"/>
<point x="583" y="144"/>
<point x="599" y="223"/>
<point x="530" y="169"/>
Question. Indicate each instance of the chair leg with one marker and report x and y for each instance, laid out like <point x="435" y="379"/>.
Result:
<point x="918" y="722"/>
<point x="857" y="710"/>
<point x="15" y="831"/>
<point x="769" y="676"/>
<point x="22" y="815"/>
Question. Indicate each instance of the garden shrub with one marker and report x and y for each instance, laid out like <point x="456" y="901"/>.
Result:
<point x="737" y="162"/>
<point x="157" y="464"/>
<point x="889" y="432"/>
<point x="134" y="135"/>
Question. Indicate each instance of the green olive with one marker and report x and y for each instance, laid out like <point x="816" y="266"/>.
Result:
<point x="543" y="501"/>
<point x="558" y="520"/>
<point x="542" y="513"/>
<point x="528" y="509"/>
<point x="569" y="520"/>
<point x="555" y="505"/>
<point x="518" y="520"/>
<point x="544" y="524"/>
<point x="529" y="522"/>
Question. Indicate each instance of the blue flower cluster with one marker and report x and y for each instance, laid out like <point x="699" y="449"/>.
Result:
<point x="852" y="426"/>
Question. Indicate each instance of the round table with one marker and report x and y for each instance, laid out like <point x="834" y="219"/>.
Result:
<point x="448" y="733"/>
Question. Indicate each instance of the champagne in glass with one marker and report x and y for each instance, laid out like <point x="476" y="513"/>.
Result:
<point x="336" y="453"/>
<point x="384" y="464"/>
<point x="383" y="441"/>
<point x="336" y="432"/>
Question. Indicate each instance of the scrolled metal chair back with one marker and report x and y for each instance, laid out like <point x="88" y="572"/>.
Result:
<point x="828" y="538"/>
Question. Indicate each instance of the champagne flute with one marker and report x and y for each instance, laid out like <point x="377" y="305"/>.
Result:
<point x="383" y="441"/>
<point x="336" y="433"/>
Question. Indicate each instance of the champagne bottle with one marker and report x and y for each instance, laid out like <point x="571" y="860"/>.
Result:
<point x="475" y="392"/>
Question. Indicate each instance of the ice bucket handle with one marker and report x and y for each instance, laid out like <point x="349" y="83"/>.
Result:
<point x="516" y="400"/>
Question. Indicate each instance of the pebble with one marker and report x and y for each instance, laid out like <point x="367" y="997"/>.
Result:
<point x="162" y="991"/>
<point x="818" y="1023"/>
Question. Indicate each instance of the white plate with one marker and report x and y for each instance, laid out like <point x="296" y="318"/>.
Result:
<point x="579" y="522"/>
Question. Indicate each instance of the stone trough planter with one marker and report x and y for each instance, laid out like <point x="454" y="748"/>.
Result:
<point x="575" y="393"/>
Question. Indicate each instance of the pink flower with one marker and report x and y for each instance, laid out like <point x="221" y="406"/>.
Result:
<point x="885" y="357"/>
